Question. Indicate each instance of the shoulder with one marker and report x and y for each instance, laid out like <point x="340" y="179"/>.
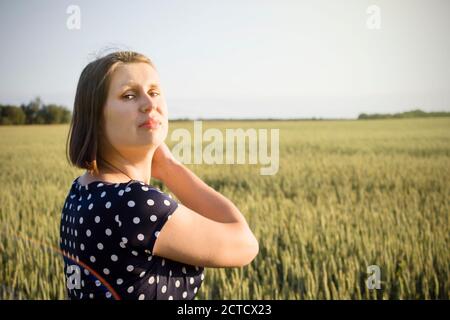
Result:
<point x="144" y="211"/>
<point x="148" y="198"/>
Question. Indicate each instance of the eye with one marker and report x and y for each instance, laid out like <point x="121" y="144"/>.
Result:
<point x="126" y="96"/>
<point x="154" y="93"/>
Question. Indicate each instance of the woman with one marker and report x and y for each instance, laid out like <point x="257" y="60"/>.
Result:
<point x="121" y="237"/>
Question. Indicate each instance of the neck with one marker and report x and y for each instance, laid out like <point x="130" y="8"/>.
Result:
<point x="134" y="164"/>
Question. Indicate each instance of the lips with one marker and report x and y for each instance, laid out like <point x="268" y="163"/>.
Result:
<point x="150" y="123"/>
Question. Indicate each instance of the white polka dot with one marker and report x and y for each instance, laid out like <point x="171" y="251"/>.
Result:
<point x="120" y="193"/>
<point x="163" y="262"/>
<point x="170" y="298"/>
<point x="130" y="268"/>
<point x="142" y="274"/>
<point x="157" y="279"/>
<point x="167" y="202"/>
<point x="82" y="247"/>
<point x="153" y="218"/>
<point x="108" y="294"/>
<point x="103" y="194"/>
<point x="90" y="206"/>
<point x="127" y="189"/>
<point x="149" y="258"/>
<point x="144" y="188"/>
<point x="114" y="257"/>
<point x="195" y="290"/>
<point x="150" y="202"/>
<point x="119" y="281"/>
<point x="151" y="280"/>
<point x="97" y="283"/>
<point x="81" y="220"/>
<point x="92" y="258"/>
<point x="97" y="219"/>
<point x="131" y="203"/>
<point x="191" y="281"/>
<point x="89" y="196"/>
<point x="108" y="232"/>
<point x="177" y="283"/>
<point x="79" y="207"/>
<point x="100" y="185"/>
<point x="170" y="273"/>
<point x="141" y="296"/>
<point x="108" y="205"/>
<point x="157" y="234"/>
<point x="202" y="276"/>
<point x="134" y="253"/>
<point x="130" y="289"/>
<point x="124" y="240"/>
<point x="106" y="271"/>
<point x="164" y="289"/>
<point x="91" y="295"/>
<point x="136" y="220"/>
<point x="140" y="236"/>
<point x="76" y="233"/>
<point x="100" y="246"/>
<point x="88" y="232"/>
<point x="184" y="294"/>
<point x="183" y="269"/>
<point x="86" y="272"/>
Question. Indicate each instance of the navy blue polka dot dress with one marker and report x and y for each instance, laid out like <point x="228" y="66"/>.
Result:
<point x="107" y="235"/>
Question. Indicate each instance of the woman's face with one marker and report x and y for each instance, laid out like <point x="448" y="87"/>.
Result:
<point x="134" y="96"/>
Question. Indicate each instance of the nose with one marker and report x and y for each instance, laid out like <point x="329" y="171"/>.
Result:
<point x="148" y="104"/>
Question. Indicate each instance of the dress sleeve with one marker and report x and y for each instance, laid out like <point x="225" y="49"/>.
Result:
<point x="145" y="211"/>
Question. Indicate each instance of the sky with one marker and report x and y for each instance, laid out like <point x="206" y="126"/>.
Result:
<point x="240" y="59"/>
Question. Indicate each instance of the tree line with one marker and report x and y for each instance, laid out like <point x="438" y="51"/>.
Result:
<point x="35" y="112"/>
<point x="408" y="114"/>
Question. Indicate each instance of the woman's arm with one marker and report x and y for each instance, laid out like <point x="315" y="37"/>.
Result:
<point x="221" y="237"/>
<point x="192" y="191"/>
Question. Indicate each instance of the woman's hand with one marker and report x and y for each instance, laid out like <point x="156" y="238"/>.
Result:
<point x="161" y="162"/>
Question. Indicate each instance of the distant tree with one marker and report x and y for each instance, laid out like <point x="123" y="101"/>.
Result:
<point x="35" y="112"/>
<point x="11" y="115"/>
<point x="417" y="113"/>
<point x="362" y="116"/>
<point x="31" y="110"/>
<point x="52" y="113"/>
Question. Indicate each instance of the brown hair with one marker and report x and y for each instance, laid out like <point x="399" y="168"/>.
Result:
<point x="92" y="91"/>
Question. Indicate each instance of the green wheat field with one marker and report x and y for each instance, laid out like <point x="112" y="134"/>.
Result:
<point x="348" y="194"/>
